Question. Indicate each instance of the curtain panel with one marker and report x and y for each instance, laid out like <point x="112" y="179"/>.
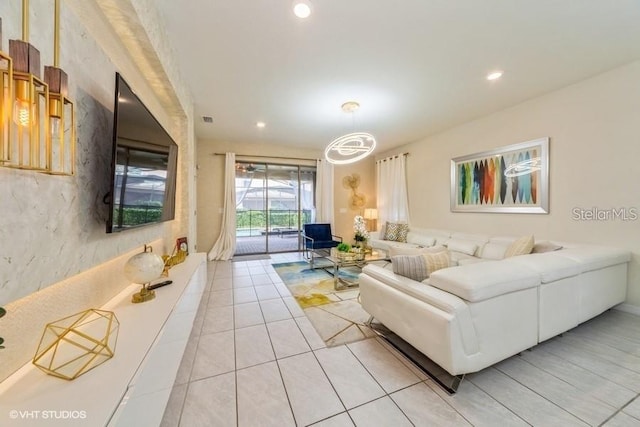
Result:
<point x="225" y="246"/>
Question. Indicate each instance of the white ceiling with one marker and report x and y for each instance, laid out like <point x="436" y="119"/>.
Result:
<point x="417" y="67"/>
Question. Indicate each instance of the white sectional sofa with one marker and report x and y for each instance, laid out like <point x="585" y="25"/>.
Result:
<point x="485" y="308"/>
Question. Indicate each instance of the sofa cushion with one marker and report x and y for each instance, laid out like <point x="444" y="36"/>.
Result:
<point x="493" y="251"/>
<point x="463" y="246"/>
<point x="396" y="232"/>
<point x="406" y="249"/>
<point x="481" y="281"/>
<point x="456" y="257"/>
<point x="419" y="267"/>
<point x="595" y="257"/>
<point x="542" y="247"/>
<point x="420" y="239"/>
<point x="550" y="266"/>
<point x="473" y="260"/>
<point x="522" y="246"/>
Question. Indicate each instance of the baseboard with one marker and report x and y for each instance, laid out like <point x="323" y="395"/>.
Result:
<point x="628" y="308"/>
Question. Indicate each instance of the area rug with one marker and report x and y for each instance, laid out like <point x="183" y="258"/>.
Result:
<point x="336" y="315"/>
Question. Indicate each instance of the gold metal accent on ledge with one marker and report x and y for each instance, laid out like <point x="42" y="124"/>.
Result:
<point x="74" y="345"/>
<point x="171" y="260"/>
<point x="144" y="295"/>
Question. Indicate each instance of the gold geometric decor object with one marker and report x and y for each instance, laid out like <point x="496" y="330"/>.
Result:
<point x="74" y="345"/>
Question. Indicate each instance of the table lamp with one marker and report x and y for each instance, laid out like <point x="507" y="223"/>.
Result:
<point x="142" y="268"/>
<point x="371" y="215"/>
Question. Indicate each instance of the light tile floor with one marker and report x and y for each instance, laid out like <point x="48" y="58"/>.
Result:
<point x="254" y="359"/>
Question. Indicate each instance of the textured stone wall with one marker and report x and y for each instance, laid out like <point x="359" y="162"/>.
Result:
<point x="55" y="257"/>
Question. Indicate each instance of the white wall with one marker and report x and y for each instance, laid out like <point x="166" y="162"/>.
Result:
<point x="55" y="257"/>
<point x="594" y="129"/>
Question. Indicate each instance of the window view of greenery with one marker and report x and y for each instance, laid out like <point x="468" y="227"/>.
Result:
<point x="139" y="189"/>
<point x="255" y="221"/>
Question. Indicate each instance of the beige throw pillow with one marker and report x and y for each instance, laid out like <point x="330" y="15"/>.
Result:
<point x="436" y="261"/>
<point x="522" y="246"/>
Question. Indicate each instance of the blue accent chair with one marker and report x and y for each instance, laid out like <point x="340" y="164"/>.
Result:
<point x="318" y="241"/>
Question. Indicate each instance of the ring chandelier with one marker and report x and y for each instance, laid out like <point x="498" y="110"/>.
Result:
<point x="351" y="147"/>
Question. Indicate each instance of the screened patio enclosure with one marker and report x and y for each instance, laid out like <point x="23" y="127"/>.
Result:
<point x="273" y="201"/>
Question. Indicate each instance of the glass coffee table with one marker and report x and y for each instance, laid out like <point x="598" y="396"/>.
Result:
<point x="351" y="259"/>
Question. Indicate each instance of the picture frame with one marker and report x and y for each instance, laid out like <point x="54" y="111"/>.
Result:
<point x="182" y="245"/>
<point x="509" y="179"/>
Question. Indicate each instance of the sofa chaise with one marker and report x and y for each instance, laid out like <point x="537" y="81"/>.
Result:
<point x="486" y="308"/>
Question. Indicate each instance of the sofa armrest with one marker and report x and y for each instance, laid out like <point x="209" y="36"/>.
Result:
<point x="443" y="300"/>
<point x="455" y="310"/>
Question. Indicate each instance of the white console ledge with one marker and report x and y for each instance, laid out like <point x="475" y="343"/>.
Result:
<point x="133" y="387"/>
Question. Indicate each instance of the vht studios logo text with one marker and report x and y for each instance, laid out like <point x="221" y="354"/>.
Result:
<point x="597" y="214"/>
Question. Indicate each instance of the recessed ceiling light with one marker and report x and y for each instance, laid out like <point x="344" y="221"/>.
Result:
<point x="261" y="124"/>
<point x="495" y="75"/>
<point x="302" y="8"/>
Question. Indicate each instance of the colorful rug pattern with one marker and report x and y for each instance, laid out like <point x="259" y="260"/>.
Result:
<point x="336" y="315"/>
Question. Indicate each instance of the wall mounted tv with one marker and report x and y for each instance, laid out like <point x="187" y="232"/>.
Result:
<point x="143" y="167"/>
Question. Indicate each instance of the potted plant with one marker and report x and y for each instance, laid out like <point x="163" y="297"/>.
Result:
<point x="361" y="232"/>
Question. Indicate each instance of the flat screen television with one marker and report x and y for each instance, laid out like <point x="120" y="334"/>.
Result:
<point x="143" y="167"/>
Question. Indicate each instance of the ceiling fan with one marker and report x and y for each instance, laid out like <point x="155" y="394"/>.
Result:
<point x="243" y="167"/>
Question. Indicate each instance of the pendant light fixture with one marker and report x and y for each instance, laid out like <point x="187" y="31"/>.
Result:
<point x="6" y="101"/>
<point x="28" y="144"/>
<point x="351" y="147"/>
<point x="61" y="154"/>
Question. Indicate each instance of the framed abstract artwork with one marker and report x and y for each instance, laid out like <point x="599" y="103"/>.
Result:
<point x="511" y="179"/>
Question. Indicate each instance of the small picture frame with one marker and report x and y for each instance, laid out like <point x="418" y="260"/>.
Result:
<point x="182" y="245"/>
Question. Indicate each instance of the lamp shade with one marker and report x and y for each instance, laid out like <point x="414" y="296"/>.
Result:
<point x="143" y="267"/>
<point x="371" y="213"/>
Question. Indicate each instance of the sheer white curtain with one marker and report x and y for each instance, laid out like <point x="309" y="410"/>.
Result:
<point x="225" y="246"/>
<point x="324" y="192"/>
<point x="393" y="202"/>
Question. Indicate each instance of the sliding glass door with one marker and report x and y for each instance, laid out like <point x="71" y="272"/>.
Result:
<point x="273" y="201"/>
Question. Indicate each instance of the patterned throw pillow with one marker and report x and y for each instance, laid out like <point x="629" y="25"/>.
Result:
<point x="522" y="246"/>
<point x="396" y="232"/>
<point x="411" y="266"/>
<point x="419" y="267"/>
